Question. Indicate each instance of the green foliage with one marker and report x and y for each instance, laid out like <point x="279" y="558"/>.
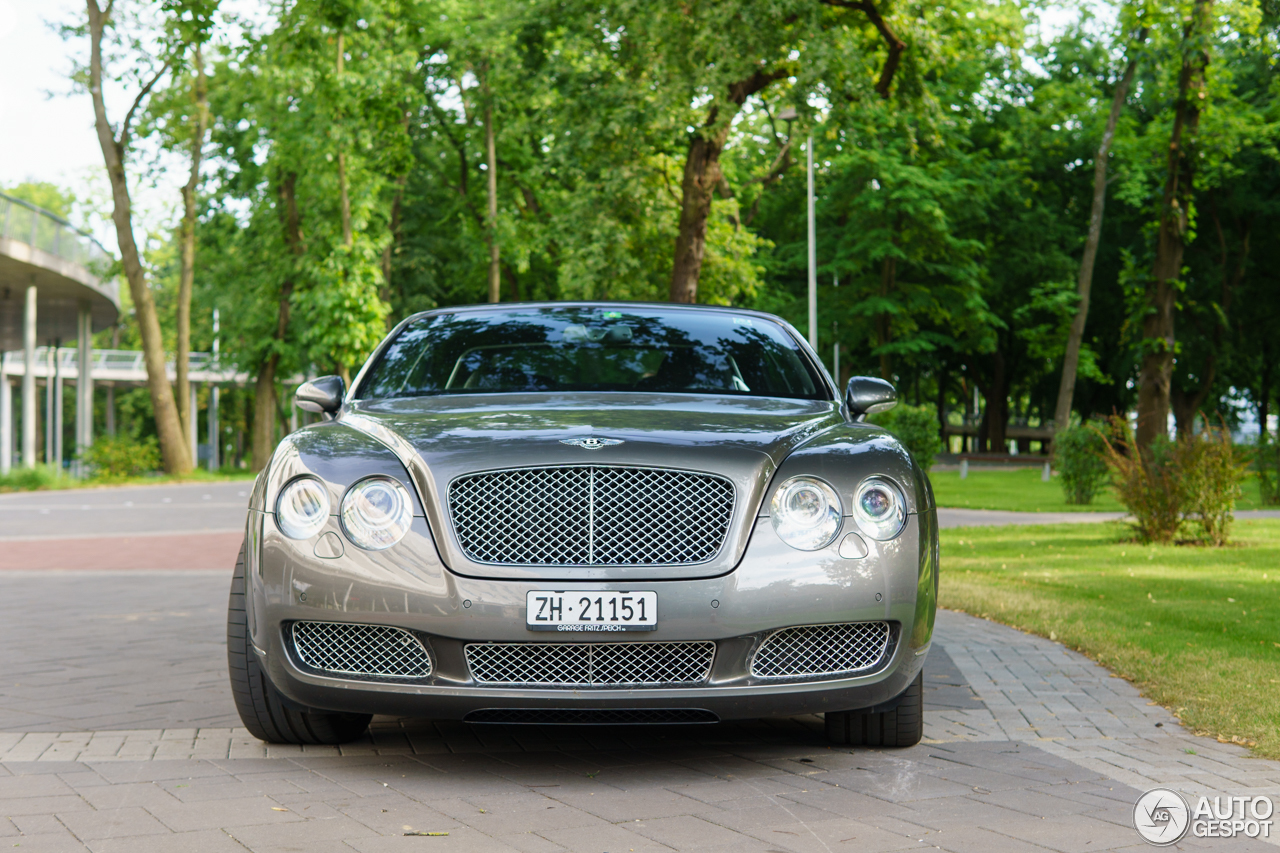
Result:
<point x="1195" y="480"/>
<point x="1078" y="456"/>
<point x="53" y="198"/>
<point x="119" y="457"/>
<point x="916" y="427"/>
<point x="1210" y="478"/>
<point x="1146" y="482"/>
<point x="34" y="479"/>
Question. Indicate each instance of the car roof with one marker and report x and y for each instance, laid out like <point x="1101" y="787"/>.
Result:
<point x="665" y="306"/>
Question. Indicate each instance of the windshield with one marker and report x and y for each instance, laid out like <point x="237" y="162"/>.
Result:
<point x="644" y="350"/>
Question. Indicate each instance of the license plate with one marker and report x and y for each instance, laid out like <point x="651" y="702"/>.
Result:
<point x="547" y="610"/>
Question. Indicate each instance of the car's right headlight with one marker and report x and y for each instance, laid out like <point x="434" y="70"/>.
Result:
<point x="302" y="508"/>
<point x="376" y="513"/>
<point x="880" y="508"/>
<point x="806" y="513"/>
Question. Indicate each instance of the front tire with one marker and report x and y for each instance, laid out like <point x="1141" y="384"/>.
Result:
<point x="901" y="726"/>
<point x="261" y="706"/>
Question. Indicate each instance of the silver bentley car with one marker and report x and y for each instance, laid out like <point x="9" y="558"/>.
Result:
<point x="606" y="513"/>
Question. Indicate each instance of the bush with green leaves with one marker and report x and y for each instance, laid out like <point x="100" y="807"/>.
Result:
<point x="1195" y="480"/>
<point x="1078" y="457"/>
<point x="916" y="427"/>
<point x="32" y="479"/>
<point x="119" y="457"/>
<point x="1210" y="476"/>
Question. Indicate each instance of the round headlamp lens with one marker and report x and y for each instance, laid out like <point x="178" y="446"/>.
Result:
<point x="376" y="513"/>
<point x="806" y="513"/>
<point x="303" y="508"/>
<point x="880" y="509"/>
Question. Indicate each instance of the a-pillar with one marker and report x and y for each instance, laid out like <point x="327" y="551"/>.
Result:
<point x="29" y="379"/>
<point x="84" y="387"/>
<point x="6" y="421"/>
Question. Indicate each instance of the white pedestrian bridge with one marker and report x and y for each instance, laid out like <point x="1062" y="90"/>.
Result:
<point x="54" y="294"/>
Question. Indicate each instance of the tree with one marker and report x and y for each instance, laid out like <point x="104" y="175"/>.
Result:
<point x="1084" y="282"/>
<point x="1174" y="229"/>
<point x="104" y="23"/>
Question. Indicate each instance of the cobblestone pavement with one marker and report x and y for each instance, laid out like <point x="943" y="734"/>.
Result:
<point x="117" y="734"/>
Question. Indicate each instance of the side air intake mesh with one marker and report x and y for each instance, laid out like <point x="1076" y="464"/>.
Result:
<point x="370" y="651"/>
<point x="814" y="650"/>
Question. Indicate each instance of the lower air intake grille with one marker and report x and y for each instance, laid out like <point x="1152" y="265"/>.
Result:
<point x="822" y="650"/>
<point x="369" y="651"/>
<point x="590" y="664"/>
<point x="592" y="716"/>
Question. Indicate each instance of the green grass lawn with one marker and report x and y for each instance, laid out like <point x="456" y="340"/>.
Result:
<point x="46" y="478"/>
<point x="1022" y="489"/>
<point x="1197" y="629"/>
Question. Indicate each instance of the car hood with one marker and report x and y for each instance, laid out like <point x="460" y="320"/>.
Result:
<point x="743" y="439"/>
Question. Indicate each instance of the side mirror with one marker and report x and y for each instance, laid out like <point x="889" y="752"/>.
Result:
<point x="322" y="396"/>
<point x="866" y="395"/>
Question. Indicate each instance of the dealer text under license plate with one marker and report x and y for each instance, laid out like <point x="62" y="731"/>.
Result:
<point x="591" y="611"/>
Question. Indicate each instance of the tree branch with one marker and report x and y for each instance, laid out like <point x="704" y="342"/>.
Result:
<point x="896" y="45"/>
<point x="137" y="102"/>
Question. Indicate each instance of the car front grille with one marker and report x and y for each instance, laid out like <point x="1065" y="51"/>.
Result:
<point x="591" y="516"/>
<point x="362" y="651"/>
<point x="815" y="650"/>
<point x="590" y="664"/>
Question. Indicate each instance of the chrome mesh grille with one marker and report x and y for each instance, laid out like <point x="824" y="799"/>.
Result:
<point x="361" y="650"/>
<point x="590" y="664"/>
<point x="591" y="516"/>
<point x="822" y="650"/>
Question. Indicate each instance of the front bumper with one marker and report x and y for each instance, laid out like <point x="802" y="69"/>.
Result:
<point x="774" y="586"/>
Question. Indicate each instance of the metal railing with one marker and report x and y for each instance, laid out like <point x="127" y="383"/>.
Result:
<point x="117" y="365"/>
<point x="24" y="222"/>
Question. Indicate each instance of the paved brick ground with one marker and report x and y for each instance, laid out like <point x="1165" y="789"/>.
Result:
<point x="117" y="734"/>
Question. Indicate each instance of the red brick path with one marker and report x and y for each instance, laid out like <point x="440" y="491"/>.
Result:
<point x="114" y="553"/>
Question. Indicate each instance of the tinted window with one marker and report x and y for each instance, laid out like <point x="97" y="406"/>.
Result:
<point x="592" y="349"/>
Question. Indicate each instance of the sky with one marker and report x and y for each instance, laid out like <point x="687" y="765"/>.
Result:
<point x="41" y="137"/>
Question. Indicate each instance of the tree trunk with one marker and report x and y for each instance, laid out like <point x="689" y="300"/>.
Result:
<point x="495" y="264"/>
<point x="1264" y="393"/>
<point x="264" y="403"/>
<point x="174" y="452"/>
<point x="1084" y="283"/>
<point x="996" y="415"/>
<point x="1156" y="374"/>
<point x="187" y="231"/>
<point x="702" y="174"/>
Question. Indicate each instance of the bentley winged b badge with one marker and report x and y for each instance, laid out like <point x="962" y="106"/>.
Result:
<point x="591" y="443"/>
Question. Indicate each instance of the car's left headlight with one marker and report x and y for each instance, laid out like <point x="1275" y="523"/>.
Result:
<point x="806" y="513"/>
<point x="376" y="513"/>
<point x="880" y="508"/>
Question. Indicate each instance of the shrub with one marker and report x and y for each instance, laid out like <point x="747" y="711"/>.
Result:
<point x="1145" y="482"/>
<point x="916" y="427"/>
<point x="1267" y="462"/>
<point x="1210" y="478"/>
<point x="1078" y="456"/>
<point x="118" y="457"/>
<point x="1195" y="479"/>
<point x="32" y="479"/>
